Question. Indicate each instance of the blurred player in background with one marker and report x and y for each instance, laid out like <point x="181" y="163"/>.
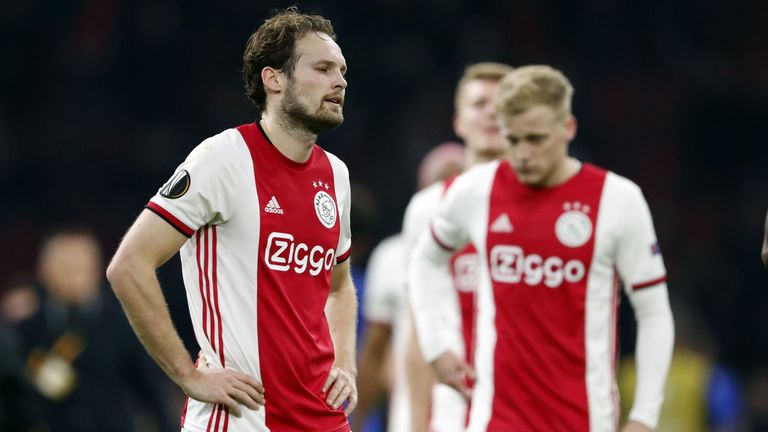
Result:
<point x="554" y="236"/>
<point x="261" y="215"/>
<point x="384" y="309"/>
<point x="80" y="352"/>
<point x="439" y="407"/>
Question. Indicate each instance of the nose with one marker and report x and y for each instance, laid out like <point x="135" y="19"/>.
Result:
<point x="489" y="110"/>
<point x="340" y="82"/>
<point x="522" y="151"/>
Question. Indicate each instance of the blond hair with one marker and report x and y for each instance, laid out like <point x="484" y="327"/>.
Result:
<point x="488" y="71"/>
<point x="529" y="86"/>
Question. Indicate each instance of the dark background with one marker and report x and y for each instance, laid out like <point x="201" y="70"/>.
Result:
<point x="101" y="99"/>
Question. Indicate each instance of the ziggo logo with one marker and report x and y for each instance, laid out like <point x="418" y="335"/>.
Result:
<point x="510" y="265"/>
<point x="282" y="253"/>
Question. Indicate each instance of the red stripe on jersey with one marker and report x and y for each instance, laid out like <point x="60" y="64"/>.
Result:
<point x="215" y="277"/>
<point x="186" y="399"/>
<point x="343" y="257"/>
<point x="184" y="411"/>
<point x="438" y="241"/>
<point x="218" y="417"/>
<point x="171" y="219"/>
<point x="649" y="283"/>
<point x="206" y="261"/>
<point x="447" y="184"/>
<point x="226" y="419"/>
<point x="200" y="284"/>
<point x="214" y="408"/>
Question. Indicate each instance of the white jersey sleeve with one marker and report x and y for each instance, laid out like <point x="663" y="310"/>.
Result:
<point x="429" y="278"/>
<point x="456" y="214"/>
<point x="641" y="267"/>
<point x="384" y="288"/>
<point x="638" y="255"/>
<point x="344" y="199"/>
<point x="202" y="189"/>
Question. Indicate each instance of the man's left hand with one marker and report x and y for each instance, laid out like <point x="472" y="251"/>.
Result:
<point x="341" y="387"/>
<point x="633" y="426"/>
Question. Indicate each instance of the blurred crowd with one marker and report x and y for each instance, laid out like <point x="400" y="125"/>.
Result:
<point x="100" y="99"/>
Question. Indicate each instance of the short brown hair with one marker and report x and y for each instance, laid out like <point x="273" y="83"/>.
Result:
<point x="481" y="71"/>
<point x="273" y="45"/>
<point x="528" y="86"/>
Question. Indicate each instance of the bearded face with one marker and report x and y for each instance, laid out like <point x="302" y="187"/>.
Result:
<point x="315" y="113"/>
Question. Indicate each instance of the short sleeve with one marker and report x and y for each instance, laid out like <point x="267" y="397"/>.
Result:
<point x="344" y="202"/>
<point x="638" y="259"/>
<point x="201" y="190"/>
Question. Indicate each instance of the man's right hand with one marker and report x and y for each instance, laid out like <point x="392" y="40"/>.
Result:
<point x="453" y="371"/>
<point x="224" y="386"/>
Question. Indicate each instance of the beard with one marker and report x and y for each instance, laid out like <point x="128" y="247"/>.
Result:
<point x="299" y="116"/>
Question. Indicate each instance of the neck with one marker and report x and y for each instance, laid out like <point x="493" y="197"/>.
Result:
<point x="568" y="168"/>
<point x="293" y="141"/>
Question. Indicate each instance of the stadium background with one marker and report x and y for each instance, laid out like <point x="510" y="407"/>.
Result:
<point x="101" y="99"/>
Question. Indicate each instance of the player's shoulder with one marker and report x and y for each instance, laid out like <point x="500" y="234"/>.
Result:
<point x="613" y="181"/>
<point x="429" y="196"/>
<point x="622" y="193"/>
<point x="476" y="179"/>
<point x="337" y="164"/>
<point x="223" y="148"/>
<point x="622" y="184"/>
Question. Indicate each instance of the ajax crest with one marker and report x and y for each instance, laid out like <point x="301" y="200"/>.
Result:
<point x="325" y="208"/>
<point x="574" y="228"/>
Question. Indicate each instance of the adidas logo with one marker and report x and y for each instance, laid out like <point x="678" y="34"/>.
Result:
<point x="273" y="206"/>
<point x="502" y="224"/>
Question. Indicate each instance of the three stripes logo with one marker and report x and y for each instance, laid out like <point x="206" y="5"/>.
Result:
<point x="502" y="224"/>
<point x="273" y="206"/>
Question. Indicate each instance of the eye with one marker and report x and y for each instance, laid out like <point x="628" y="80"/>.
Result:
<point x="322" y="69"/>
<point x="512" y="140"/>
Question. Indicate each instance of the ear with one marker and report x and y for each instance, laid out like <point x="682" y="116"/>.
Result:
<point x="272" y="79"/>
<point x="570" y="127"/>
<point x="458" y="128"/>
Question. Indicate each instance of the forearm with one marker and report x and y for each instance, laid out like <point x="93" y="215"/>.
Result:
<point x="341" y="310"/>
<point x="655" y="341"/>
<point x="137" y="288"/>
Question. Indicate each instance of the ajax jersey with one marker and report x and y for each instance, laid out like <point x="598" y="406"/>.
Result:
<point x="550" y="261"/>
<point x="264" y="234"/>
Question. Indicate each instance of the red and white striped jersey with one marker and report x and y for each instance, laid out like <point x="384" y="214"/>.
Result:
<point x="449" y="409"/>
<point x="550" y="263"/>
<point x="264" y="234"/>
